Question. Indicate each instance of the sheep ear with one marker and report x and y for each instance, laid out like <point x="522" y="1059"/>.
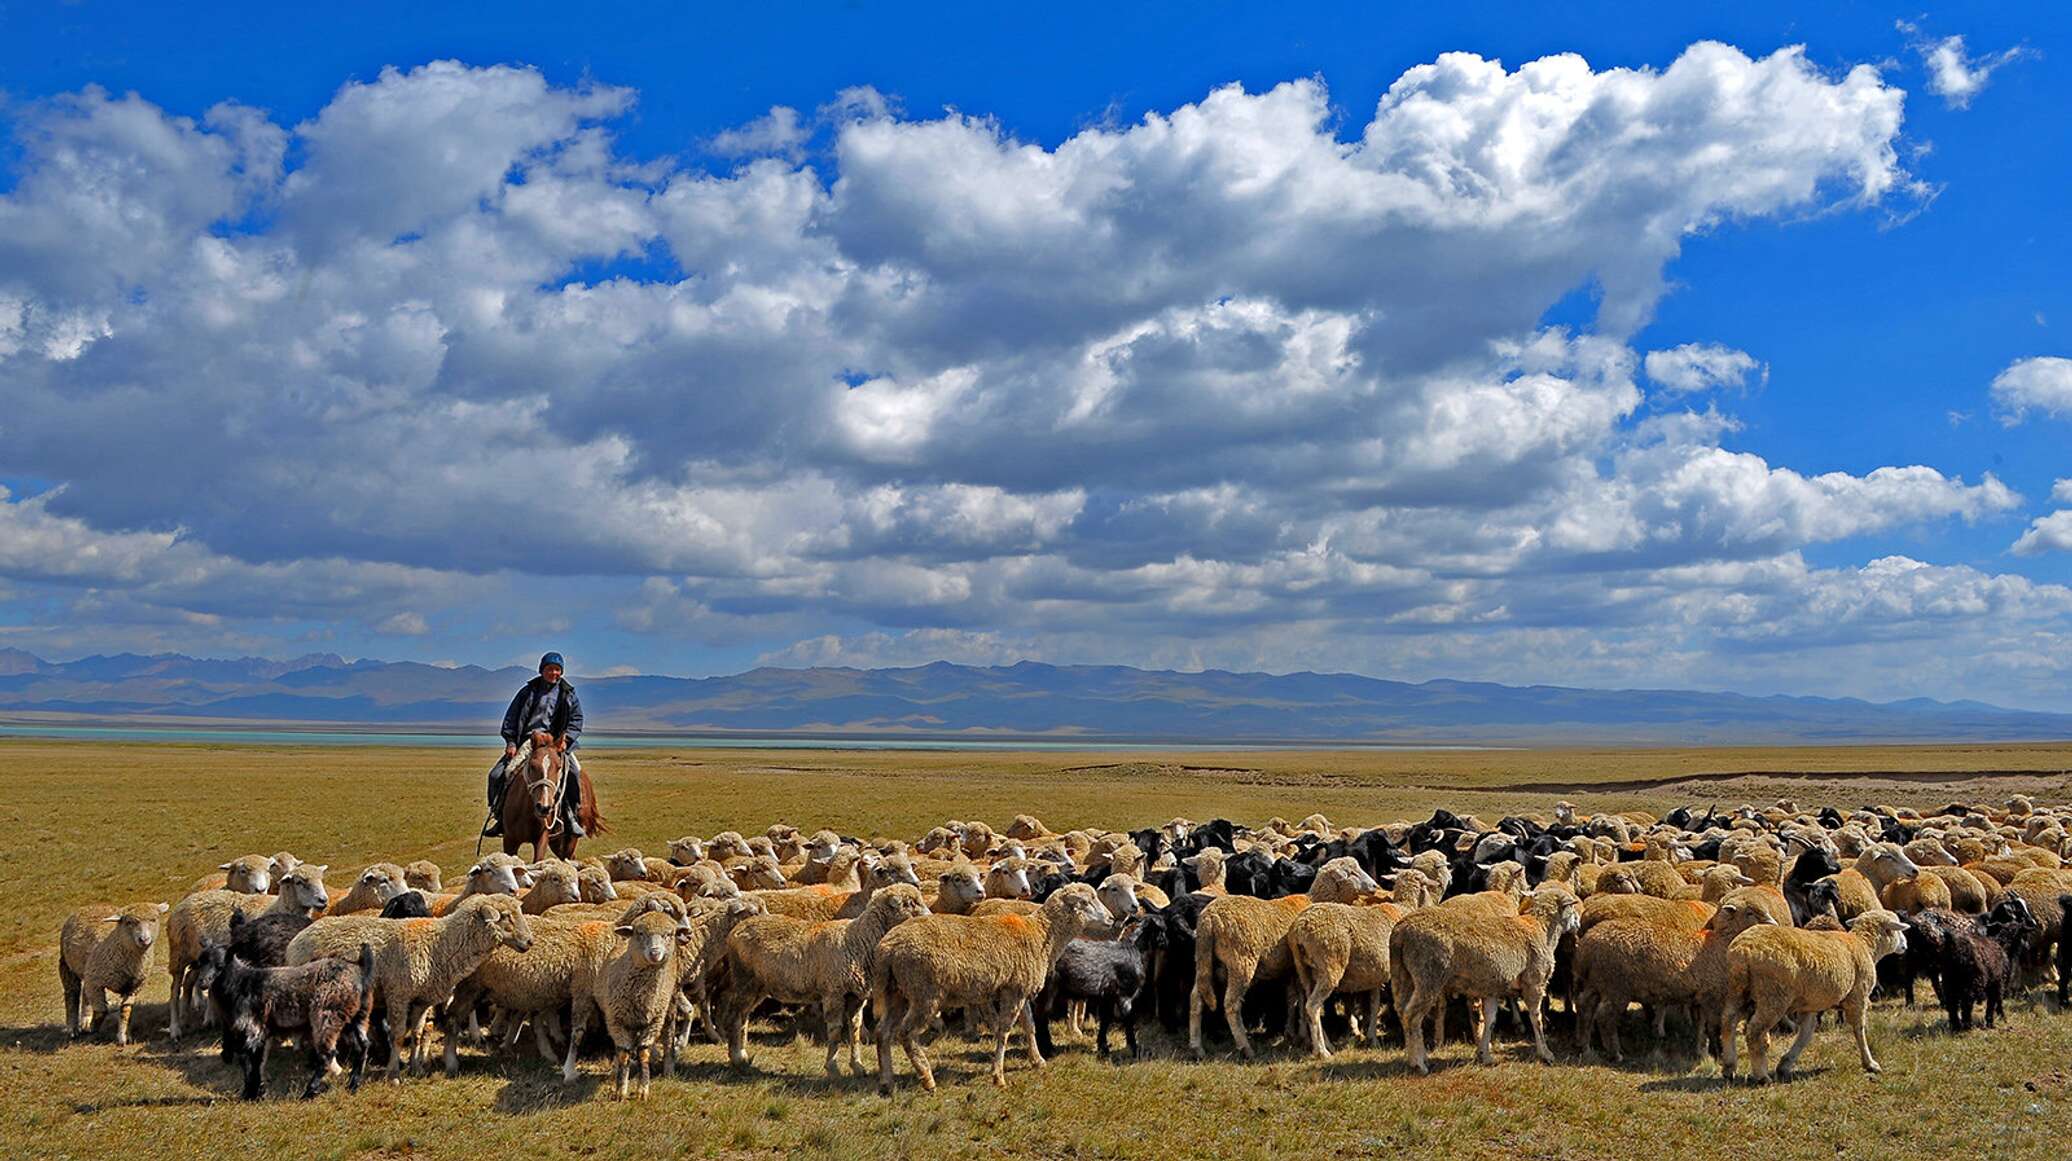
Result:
<point x="319" y="868"/>
<point x="164" y="907"/>
<point x="475" y="870"/>
<point x="224" y="867"/>
<point x="623" y="929"/>
<point x="117" y="918"/>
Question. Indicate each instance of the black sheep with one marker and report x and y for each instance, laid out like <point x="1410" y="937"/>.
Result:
<point x="324" y="1003"/>
<point x="1976" y="963"/>
<point x="262" y="940"/>
<point x="1799" y="883"/>
<point x="1110" y="975"/>
<point x="2065" y="952"/>
<point x="407" y="905"/>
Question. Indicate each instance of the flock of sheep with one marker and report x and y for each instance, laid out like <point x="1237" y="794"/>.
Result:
<point x="1740" y="923"/>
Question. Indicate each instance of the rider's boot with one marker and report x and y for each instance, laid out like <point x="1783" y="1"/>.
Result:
<point x="495" y="826"/>
<point x="569" y="800"/>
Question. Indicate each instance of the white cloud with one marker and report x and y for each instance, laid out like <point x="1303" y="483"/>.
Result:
<point x="2052" y="533"/>
<point x="1953" y="74"/>
<point x="1695" y="367"/>
<point x="778" y="132"/>
<point x="2042" y="383"/>
<point x="1234" y="381"/>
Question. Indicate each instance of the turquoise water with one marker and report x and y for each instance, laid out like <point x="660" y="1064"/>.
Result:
<point x="606" y="741"/>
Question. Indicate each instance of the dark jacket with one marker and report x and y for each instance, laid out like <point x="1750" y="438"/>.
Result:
<point x="568" y="716"/>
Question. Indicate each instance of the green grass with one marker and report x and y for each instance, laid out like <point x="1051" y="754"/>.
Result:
<point x="130" y="822"/>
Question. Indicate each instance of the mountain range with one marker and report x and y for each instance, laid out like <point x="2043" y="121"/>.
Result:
<point x="1028" y="700"/>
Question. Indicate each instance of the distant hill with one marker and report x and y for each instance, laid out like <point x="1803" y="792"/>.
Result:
<point x="1028" y="700"/>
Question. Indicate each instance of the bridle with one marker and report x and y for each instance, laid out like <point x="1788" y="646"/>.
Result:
<point x="554" y="821"/>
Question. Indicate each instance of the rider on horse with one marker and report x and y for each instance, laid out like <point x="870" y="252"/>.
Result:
<point x="547" y="711"/>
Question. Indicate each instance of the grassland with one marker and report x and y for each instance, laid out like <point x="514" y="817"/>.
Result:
<point x="91" y="821"/>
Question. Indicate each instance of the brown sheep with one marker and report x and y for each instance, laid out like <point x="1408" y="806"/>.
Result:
<point x="1438" y="953"/>
<point x="103" y="948"/>
<point x="1632" y="960"/>
<point x="1779" y="972"/>
<point x="991" y="965"/>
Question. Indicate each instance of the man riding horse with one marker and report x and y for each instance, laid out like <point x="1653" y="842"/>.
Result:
<point x="547" y="716"/>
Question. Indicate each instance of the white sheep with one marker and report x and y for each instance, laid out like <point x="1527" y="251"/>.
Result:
<point x="104" y="948"/>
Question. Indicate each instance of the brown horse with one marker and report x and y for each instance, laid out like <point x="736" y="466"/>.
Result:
<point x="532" y="797"/>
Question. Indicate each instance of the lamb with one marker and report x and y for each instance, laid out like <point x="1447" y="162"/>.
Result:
<point x="1337" y="947"/>
<point x="1109" y="976"/>
<point x="1978" y="964"/>
<point x="262" y="942"/>
<point x="247" y="874"/>
<point x="1008" y="879"/>
<point x="104" y="948"/>
<point x="992" y="966"/>
<point x="407" y="905"/>
<point x="423" y="875"/>
<point x="418" y="962"/>
<point x="376" y="885"/>
<point x="204" y="917"/>
<point x="553" y="882"/>
<point x="494" y="875"/>
<point x="1438" y="953"/>
<point x="1775" y="972"/>
<point x="958" y="890"/>
<point x="636" y="992"/>
<point x="322" y="1003"/>
<point x="801" y="961"/>
<point x="1246" y="938"/>
<point x="1630" y="960"/>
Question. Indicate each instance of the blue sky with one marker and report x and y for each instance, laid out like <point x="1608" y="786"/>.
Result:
<point x="869" y="334"/>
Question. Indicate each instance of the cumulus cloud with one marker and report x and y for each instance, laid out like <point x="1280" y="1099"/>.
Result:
<point x="1696" y="367"/>
<point x="2042" y="383"/>
<point x="1954" y="74"/>
<point x="1236" y="380"/>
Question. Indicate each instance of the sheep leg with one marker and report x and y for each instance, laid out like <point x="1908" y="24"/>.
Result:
<point x="1313" y="1015"/>
<point x="1760" y="1023"/>
<point x="1234" y="1010"/>
<point x="1024" y="1013"/>
<point x="890" y="1015"/>
<point x="356" y="1043"/>
<point x="543" y="1035"/>
<point x="1414" y="1015"/>
<point x="1857" y="1014"/>
<point x="1789" y="1062"/>
<point x="1003" y="1021"/>
<point x="578" y="1023"/>
<point x="1194" y="1021"/>
<point x="1371" y="1016"/>
<point x="72" y="997"/>
<point x="647" y="1051"/>
<point x="735" y="1014"/>
<point x="172" y="1008"/>
<point x="255" y="1066"/>
<point x="622" y="1065"/>
<point x="917" y="1017"/>
<point x="1484" y="1053"/>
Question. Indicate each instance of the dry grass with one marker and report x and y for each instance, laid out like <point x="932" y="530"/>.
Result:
<point x="89" y="820"/>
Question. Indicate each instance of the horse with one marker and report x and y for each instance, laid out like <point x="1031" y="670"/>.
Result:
<point x="532" y="797"/>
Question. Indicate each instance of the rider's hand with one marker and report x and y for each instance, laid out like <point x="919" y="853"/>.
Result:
<point x="561" y="744"/>
<point x="510" y="750"/>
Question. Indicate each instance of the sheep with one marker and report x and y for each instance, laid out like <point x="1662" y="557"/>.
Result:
<point x="494" y="875"/>
<point x="687" y="851"/>
<point x="595" y="884"/>
<point x="323" y="1003"/>
<point x="1008" y="879"/>
<point x="553" y="882"/>
<point x="424" y="875"/>
<point x="536" y="982"/>
<point x="104" y="948"/>
<point x="204" y="918"/>
<point x="407" y="905"/>
<point x="1968" y="893"/>
<point x="247" y="874"/>
<point x="2040" y="888"/>
<point x="991" y="965"/>
<point x="1861" y="886"/>
<point x="2064" y="944"/>
<point x="262" y="942"/>
<point x="1439" y="952"/>
<point x="375" y="886"/>
<point x="709" y="922"/>
<point x="706" y="881"/>
<point x="1027" y="828"/>
<point x="418" y="961"/>
<point x="1977" y="964"/>
<point x="636" y="992"/>
<point x="801" y="961"/>
<point x="1630" y="960"/>
<point x="1775" y="972"/>
<point x="1245" y="937"/>
<point x="1917" y="892"/>
<point x="1108" y="976"/>
<point x="1338" y="947"/>
<point x="958" y="890"/>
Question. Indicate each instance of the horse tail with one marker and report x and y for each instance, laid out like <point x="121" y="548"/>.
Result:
<point x="586" y="805"/>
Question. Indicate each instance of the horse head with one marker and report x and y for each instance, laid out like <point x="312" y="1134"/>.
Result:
<point x="544" y="769"/>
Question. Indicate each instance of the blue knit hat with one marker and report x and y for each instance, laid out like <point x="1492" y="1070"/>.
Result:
<point x="551" y="659"/>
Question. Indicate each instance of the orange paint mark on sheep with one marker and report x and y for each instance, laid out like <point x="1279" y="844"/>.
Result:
<point x="1014" y="923"/>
